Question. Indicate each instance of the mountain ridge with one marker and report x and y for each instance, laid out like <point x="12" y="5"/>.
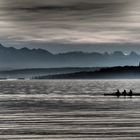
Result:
<point x="41" y="58"/>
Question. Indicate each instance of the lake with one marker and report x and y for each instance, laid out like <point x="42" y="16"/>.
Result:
<point x="68" y="110"/>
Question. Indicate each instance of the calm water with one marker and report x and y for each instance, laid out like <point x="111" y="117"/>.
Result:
<point x="68" y="110"/>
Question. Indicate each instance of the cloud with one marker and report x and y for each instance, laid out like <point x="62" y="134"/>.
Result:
<point x="75" y="21"/>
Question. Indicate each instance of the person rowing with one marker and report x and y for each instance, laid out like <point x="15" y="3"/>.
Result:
<point x="130" y="93"/>
<point x="118" y="94"/>
<point x="124" y="93"/>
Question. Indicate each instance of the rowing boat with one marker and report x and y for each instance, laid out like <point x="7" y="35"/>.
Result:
<point x="114" y="94"/>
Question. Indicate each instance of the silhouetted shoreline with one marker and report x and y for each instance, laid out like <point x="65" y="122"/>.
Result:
<point x="118" y="72"/>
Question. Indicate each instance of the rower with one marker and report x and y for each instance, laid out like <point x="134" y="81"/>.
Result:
<point x="124" y="93"/>
<point x="118" y="93"/>
<point x="130" y="93"/>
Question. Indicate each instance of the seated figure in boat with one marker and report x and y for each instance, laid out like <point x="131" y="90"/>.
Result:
<point x="130" y="93"/>
<point x="118" y="93"/>
<point x="124" y="93"/>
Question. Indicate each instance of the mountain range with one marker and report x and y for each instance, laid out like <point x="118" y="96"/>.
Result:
<point x="39" y="58"/>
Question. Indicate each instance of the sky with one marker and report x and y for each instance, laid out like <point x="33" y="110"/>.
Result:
<point x="68" y="25"/>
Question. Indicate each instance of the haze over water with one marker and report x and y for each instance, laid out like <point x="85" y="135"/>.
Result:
<point x="68" y="110"/>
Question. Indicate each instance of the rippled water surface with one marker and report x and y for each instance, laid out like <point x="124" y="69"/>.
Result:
<point x="68" y="110"/>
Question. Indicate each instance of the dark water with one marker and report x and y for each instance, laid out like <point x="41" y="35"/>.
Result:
<point x="68" y="110"/>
